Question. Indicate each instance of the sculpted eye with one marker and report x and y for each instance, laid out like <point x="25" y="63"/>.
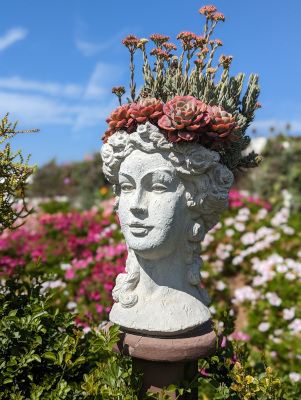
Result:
<point x="159" y="187"/>
<point x="126" y="187"/>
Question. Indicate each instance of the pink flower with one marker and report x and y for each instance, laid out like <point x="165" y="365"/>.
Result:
<point x="207" y="9"/>
<point x="240" y="336"/>
<point x="69" y="274"/>
<point x="99" y="308"/>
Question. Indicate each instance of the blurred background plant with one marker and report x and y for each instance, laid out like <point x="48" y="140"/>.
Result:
<point x="279" y="177"/>
<point x="81" y="184"/>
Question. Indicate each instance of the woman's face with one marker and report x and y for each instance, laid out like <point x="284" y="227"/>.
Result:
<point x="152" y="207"/>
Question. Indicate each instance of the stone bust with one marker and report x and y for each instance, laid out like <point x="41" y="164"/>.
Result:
<point x="168" y="196"/>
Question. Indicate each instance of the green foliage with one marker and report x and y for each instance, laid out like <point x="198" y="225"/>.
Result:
<point x="13" y="177"/>
<point x="79" y="181"/>
<point x="43" y="355"/>
<point x="280" y="171"/>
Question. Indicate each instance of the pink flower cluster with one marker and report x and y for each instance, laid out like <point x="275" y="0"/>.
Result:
<point x="83" y="248"/>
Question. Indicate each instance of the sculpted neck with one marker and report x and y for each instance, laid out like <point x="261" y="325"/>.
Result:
<point x="160" y="274"/>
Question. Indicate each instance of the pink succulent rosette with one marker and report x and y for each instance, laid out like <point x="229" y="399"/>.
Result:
<point x="119" y="119"/>
<point x="145" y="109"/>
<point x="222" y="124"/>
<point x="184" y="118"/>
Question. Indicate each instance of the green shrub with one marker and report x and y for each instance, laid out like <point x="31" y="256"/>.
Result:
<point x="43" y="355"/>
<point x="14" y="173"/>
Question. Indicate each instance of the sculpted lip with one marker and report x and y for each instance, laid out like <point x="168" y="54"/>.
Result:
<point x="139" y="229"/>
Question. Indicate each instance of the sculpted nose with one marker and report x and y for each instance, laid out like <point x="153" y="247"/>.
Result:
<point x="137" y="204"/>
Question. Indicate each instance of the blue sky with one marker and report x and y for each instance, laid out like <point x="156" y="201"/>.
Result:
<point x="60" y="59"/>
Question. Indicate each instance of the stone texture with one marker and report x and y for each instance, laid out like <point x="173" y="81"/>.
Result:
<point x="191" y="346"/>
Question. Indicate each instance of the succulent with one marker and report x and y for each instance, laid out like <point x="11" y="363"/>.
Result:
<point x="120" y="118"/>
<point x="184" y="117"/>
<point x="221" y="123"/>
<point x="149" y="108"/>
<point x="197" y="108"/>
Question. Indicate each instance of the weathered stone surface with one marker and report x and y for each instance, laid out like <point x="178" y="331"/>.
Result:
<point x="168" y="196"/>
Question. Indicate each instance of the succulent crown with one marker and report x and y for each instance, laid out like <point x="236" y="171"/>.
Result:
<point x="184" y="101"/>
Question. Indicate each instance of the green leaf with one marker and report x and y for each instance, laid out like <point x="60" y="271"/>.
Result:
<point x="171" y="388"/>
<point x="7" y="380"/>
<point x="38" y="314"/>
<point x="79" y="360"/>
<point x="49" y="356"/>
<point x="36" y="357"/>
<point x="114" y="330"/>
<point x="12" y="318"/>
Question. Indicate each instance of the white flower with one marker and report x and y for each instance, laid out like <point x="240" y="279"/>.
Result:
<point x="295" y="326"/>
<point x="290" y="276"/>
<point x="288" y="313"/>
<point x="71" y="305"/>
<point x="212" y="310"/>
<point x="230" y="233"/>
<point x="242" y="218"/>
<point x="248" y="238"/>
<point x="278" y="332"/>
<point x="261" y="214"/>
<point x="273" y="299"/>
<point x="237" y="260"/>
<point x="281" y="268"/>
<point x="288" y="230"/>
<point x="294" y="376"/>
<point x="65" y="267"/>
<point x="245" y="293"/>
<point x="221" y="285"/>
<point x="239" y="226"/>
<point x="264" y="326"/>
<point x="205" y="274"/>
<point x="244" y="211"/>
<point x="259" y="280"/>
<point x="229" y="221"/>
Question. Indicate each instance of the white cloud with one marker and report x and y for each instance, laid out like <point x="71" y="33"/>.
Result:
<point x="102" y="79"/>
<point x="37" y="109"/>
<point x="36" y="103"/>
<point x="12" y="36"/>
<point x="51" y="88"/>
<point x="90" y="49"/>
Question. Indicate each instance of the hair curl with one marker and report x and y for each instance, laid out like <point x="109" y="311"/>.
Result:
<point x="207" y="184"/>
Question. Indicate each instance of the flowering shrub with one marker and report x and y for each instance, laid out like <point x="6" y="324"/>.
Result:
<point x="84" y="252"/>
<point x="251" y="262"/>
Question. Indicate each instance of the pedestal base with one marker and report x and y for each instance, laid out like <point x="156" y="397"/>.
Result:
<point x="164" y="360"/>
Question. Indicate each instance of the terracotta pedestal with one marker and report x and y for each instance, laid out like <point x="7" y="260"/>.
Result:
<point x="164" y="360"/>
